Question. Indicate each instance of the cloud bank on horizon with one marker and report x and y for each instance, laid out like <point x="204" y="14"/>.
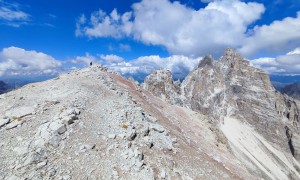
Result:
<point x="17" y="61"/>
<point x="288" y="64"/>
<point x="180" y="65"/>
<point x="185" y="32"/>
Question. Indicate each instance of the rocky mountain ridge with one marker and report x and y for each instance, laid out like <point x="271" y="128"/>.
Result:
<point x="93" y="123"/>
<point x="231" y="88"/>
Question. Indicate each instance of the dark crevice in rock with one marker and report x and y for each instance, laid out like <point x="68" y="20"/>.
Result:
<point x="289" y="135"/>
<point x="292" y="147"/>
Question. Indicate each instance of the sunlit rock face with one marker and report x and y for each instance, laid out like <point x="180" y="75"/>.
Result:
<point x="224" y="121"/>
<point x="231" y="87"/>
<point x="106" y="126"/>
<point x="161" y="84"/>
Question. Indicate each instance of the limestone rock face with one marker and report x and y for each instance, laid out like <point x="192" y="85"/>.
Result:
<point x="288" y="110"/>
<point x="207" y="61"/>
<point x="161" y="84"/>
<point x="233" y="89"/>
<point x="203" y="88"/>
<point x="93" y="123"/>
<point x="229" y="87"/>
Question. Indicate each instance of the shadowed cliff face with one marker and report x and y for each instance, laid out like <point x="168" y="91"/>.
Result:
<point x="231" y="87"/>
<point x="3" y="87"/>
<point x="292" y="90"/>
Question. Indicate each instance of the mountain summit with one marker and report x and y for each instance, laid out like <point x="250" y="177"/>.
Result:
<point x="224" y="121"/>
<point x="235" y="94"/>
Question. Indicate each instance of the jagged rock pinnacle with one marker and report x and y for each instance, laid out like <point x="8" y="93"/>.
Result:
<point x="207" y="60"/>
<point x="231" y="55"/>
<point x="232" y="88"/>
<point x="160" y="83"/>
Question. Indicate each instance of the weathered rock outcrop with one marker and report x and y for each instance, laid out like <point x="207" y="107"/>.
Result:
<point x="161" y="84"/>
<point x="92" y="123"/>
<point x="233" y="89"/>
<point x="288" y="108"/>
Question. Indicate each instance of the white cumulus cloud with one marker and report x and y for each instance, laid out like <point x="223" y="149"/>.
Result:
<point x="180" y="29"/>
<point x="179" y="65"/>
<point x="294" y="52"/>
<point x="279" y="36"/>
<point x="18" y="61"/>
<point x="101" y="24"/>
<point x="111" y="59"/>
<point x="84" y="59"/>
<point x="288" y="64"/>
<point x="196" y="32"/>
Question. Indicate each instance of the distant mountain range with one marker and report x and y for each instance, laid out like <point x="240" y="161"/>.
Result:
<point x="279" y="85"/>
<point x="10" y="83"/>
<point x="292" y="90"/>
<point x="3" y="87"/>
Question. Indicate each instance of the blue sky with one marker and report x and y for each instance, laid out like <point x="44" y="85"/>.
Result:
<point x="138" y="36"/>
<point x="51" y="29"/>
